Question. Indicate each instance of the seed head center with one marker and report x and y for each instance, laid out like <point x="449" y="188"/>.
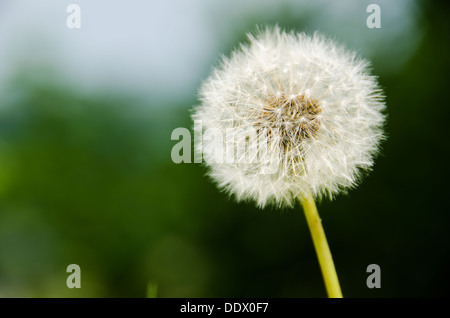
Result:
<point x="293" y="117"/>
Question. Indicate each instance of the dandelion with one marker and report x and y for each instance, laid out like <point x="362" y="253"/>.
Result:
<point x="317" y="109"/>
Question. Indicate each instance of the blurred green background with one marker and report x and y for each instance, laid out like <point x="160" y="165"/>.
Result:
<point x="86" y="175"/>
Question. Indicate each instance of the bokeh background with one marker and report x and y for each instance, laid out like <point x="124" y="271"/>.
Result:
<point x="86" y="176"/>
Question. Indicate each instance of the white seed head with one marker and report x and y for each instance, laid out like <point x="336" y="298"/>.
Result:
<point x="312" y="105"/>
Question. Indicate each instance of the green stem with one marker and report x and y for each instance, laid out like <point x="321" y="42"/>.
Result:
<point x="321" y="246"/>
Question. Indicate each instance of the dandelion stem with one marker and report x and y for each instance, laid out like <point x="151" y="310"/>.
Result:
<point x="152" y="289"/>
<point x="321" y="246"/>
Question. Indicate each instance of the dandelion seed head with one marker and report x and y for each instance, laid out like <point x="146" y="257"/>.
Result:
<point x="316" y="105"/>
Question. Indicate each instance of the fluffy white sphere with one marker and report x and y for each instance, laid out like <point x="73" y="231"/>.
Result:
<point x="305" y="114"/>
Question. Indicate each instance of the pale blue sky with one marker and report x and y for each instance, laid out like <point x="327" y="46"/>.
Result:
<point x="165" y="48"/>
